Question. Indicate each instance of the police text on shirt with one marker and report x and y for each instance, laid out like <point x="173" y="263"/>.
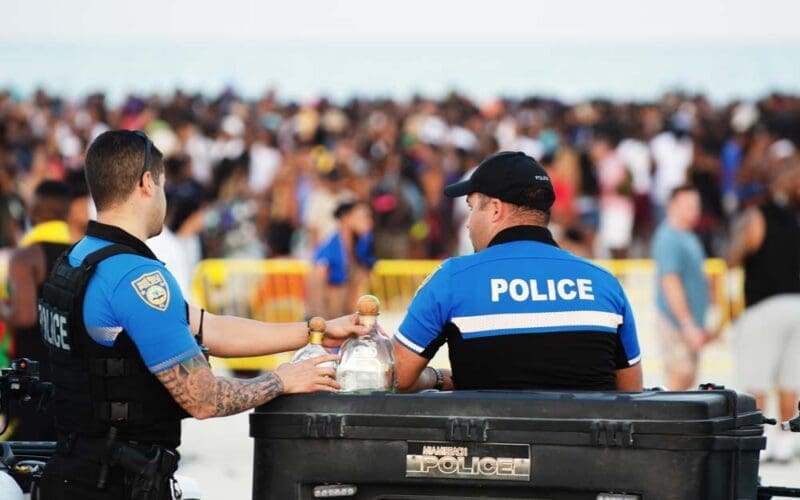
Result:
<point x="520" y="290"/>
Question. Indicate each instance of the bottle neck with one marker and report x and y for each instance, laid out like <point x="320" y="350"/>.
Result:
<point x="367" y="320"/>
<point x="315" y="337"/>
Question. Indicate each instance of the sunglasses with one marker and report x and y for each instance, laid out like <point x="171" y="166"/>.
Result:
<point x="148" y="146"/>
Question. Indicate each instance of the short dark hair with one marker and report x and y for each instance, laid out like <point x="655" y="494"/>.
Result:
<point x="537" y="198"/>
<point x="541" y="217"/>
<point x="683" y="188"/>
<point x="115" y="165"/>
<point x="53" y="190"/>
<point x="52" y="199"/>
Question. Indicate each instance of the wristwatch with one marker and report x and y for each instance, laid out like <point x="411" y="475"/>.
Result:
<point x="439" y="378"/>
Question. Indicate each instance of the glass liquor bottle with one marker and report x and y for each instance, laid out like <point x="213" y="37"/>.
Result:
<point x="316" y="330"/>
<point x="367" y="362"/>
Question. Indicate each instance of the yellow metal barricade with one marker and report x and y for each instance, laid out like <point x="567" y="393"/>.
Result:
<point x="638" y="278"/>
<point x="396" y="281"/>
<point x="275" y="290"/>
<point x="266" y="290"/>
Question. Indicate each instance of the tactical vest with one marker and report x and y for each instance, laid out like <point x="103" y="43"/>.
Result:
<point x="97" y="387"/>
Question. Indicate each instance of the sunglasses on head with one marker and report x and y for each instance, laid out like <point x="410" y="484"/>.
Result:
<point x="148" y="146"/>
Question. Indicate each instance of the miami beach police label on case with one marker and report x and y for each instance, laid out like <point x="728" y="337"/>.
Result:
<point x="499" y="462"/>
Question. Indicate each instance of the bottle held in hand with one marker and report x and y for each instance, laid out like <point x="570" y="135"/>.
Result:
<point x="316" y="330"/>
<point x="367" y="363"/>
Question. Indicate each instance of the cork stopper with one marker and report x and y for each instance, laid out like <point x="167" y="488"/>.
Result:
<point x="316" y="330"/>
<point x="368" y="305"/>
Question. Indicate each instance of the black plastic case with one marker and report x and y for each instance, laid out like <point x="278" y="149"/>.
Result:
<point x="700" y="445"/>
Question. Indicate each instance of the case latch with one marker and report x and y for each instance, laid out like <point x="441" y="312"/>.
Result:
<point x="324" y="426"/>
<point x="468" y="429"/>
<point x="611" y="433"/>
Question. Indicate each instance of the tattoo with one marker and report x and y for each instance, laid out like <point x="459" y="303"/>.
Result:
<point x="199" y="392"/>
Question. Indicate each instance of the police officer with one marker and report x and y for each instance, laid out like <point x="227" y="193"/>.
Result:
<point x="124" y="345"/>
<point x="520" y="313"/>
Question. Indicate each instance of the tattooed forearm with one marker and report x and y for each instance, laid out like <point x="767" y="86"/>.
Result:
<point x="203" y="395"/>
<point x="235" y="395"/>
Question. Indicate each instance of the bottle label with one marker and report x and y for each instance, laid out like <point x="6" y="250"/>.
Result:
<point x="354" y="381"/>
<point x="365" y="352"/>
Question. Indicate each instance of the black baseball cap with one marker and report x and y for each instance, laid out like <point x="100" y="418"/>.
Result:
<point x="511" y="176"/>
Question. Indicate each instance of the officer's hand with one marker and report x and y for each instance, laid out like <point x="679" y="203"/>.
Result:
<point x="307" y="376"/>
<point x="339" y="329"/>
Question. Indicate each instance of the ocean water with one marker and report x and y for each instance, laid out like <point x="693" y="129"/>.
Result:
<point x="304" y="70"/>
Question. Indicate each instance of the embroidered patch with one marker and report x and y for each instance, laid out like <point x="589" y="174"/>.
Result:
<point x="153" y="289"/>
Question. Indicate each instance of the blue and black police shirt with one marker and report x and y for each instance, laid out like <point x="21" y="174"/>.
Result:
<point x="136" y="294"/>
<point x="524" y="314"/>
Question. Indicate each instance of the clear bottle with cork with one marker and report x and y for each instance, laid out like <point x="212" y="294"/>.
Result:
<point x="367" y="362"/>
<point x="316" y="330"/>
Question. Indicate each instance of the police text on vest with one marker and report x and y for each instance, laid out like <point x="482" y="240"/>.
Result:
<point x="54" y="329"/>
<point x="520" y="290"/>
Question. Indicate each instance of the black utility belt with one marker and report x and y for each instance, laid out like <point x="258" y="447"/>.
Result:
<point x="69" y="444"/>
<point x="149" y="466"/>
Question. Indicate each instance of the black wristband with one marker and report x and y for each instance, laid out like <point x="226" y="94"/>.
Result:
<point x="199" y="336"/>
<point x="439" y="378"/>
<point x="200" y="328"/>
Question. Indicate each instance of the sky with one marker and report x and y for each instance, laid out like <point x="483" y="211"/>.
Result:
<point x="764" y="21"/>
<point x="570" y="49"/>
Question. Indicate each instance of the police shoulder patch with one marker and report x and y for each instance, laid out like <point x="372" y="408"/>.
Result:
<point x="152" y="288"/>
<point x="427" y="279"/>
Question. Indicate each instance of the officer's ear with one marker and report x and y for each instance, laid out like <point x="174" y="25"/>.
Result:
<point x="147" y="180"/>
<point x="498" y="208"/>
<point x="149" y="183"/>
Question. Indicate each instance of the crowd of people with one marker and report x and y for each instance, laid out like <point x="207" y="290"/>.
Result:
<point x="345" y="184"/>
<point x="262" y="178"/>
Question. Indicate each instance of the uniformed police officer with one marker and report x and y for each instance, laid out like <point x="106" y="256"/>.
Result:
<point x="125" y="361"/>
<point x="520" y="313"/>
